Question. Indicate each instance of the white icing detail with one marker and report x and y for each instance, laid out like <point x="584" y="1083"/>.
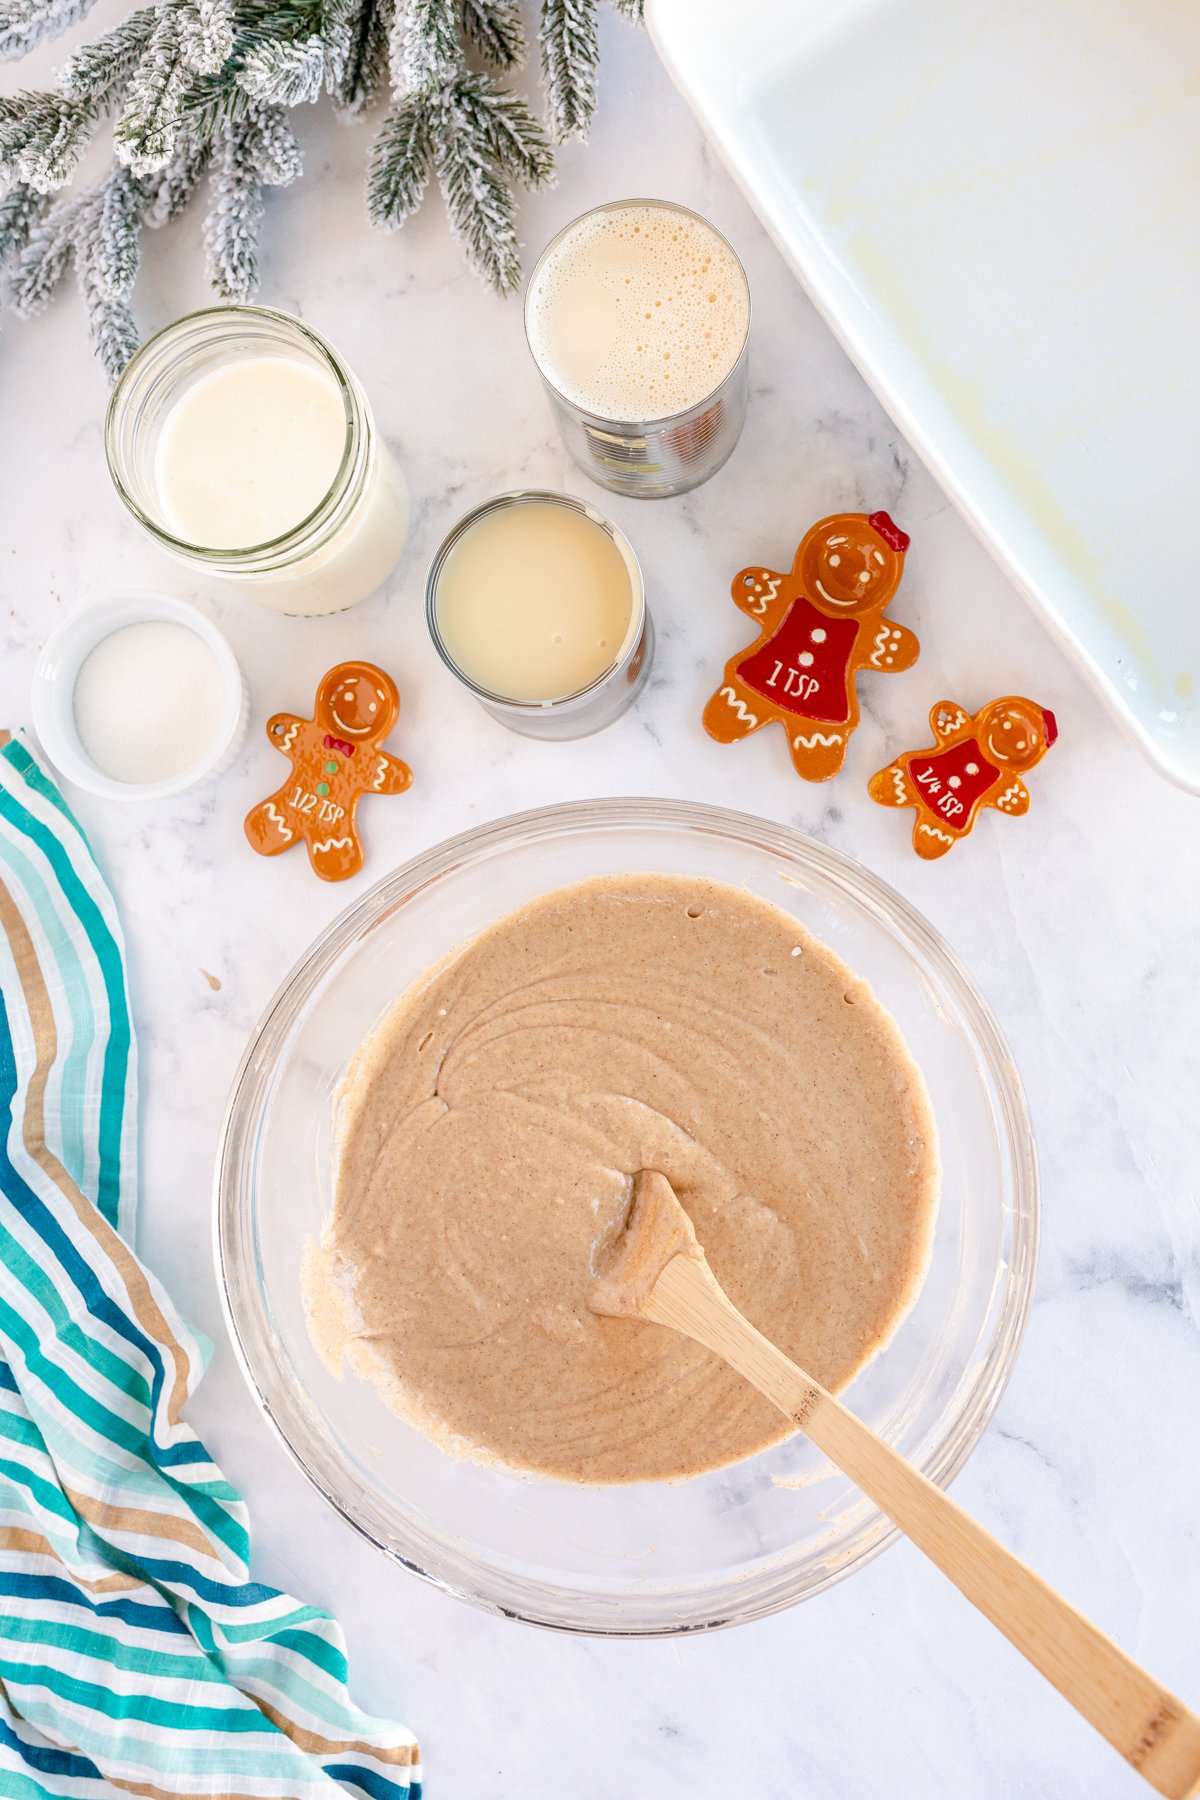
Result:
<point x="932" y="831"/>
<point x="881" y="642"/>
<point x="900" y="785"/>
<point x="955" y="781"/>
<point x="972" y="768"/>
<point x="827" y="596"/>
<point x="276" y="817"/>
<point x="818" y="737"/>
<point x="342" y="843"/>
<point x="761" y="601"/>
<point x="805" y="659"/>
<point x="818" y="636"/>
<point x="739" y="706"/>
<point x="379" y="779"/>
<point x="835" y="562"/>
<point x="289" y="736"/>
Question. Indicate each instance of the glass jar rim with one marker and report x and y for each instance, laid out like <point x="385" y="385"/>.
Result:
<point x="659" y="420"/>
<point x="522" y="497"/>
<point x="295" y="534"/>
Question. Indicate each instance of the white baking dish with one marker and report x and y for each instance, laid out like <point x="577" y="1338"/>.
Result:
<point x="997" y="208"/>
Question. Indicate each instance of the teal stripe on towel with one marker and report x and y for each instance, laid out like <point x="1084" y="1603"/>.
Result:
<point x="113" y="1095"/>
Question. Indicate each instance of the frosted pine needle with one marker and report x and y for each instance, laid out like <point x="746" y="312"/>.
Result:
<point x="496" y="31"/>
<point x="95" y="71"/>
<point x="148" y="128"/>
<point x="21" y="210"/>
<point x="287" y="74"/>
<point x="44" y="259"/>
<point x="570" y="60"/>
<point x="42" y="137"/>
<point x="205" y="29"/>
<point x="425" y="45"/>
<point x="504" y="128"/>
<point x="106" y="262"/>
<point x="231" y="228"/>
<point x="275" y="148"/>
<point x="364" y="73"/>
<point x="168" y="192"/>
<point x="108" y="234"/>
<point x="401" y="158"/>
<point x="478" y="198"/>
<point x="26" y="23"/>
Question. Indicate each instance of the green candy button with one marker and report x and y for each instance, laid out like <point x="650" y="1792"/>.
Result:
<point x="322" y="788"/>
<point x="331" y="768"/>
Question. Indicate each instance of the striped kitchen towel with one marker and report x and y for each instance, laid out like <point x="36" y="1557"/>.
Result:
<point x="136" y="1654"/>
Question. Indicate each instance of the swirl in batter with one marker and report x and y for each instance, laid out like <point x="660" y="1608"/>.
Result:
<point x="490" y="1128"/>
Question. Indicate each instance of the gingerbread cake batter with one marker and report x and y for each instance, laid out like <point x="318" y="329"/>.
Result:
<point x="490" y="1129"/>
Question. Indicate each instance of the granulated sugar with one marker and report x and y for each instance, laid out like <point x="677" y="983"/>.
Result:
<point x="149" y="702"/>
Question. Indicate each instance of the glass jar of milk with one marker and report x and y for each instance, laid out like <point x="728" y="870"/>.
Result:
<point x="241" y="442"/>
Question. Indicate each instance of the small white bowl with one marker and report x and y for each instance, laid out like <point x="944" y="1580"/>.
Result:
<point x="53" y="697"/>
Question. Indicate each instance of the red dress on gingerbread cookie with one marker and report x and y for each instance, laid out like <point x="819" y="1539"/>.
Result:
<point x="819" y="626"/>
<point x="335" y="759"/>
<point x="973" y="762"/>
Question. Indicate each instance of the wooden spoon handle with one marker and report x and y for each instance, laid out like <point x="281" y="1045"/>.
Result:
<point x="1150" y="1728"/>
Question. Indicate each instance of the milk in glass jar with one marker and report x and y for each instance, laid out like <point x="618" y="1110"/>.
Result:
<point x="241" y="442"/>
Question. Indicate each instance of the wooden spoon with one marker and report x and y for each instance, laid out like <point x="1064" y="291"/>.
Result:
<point x="657" y="1270"/>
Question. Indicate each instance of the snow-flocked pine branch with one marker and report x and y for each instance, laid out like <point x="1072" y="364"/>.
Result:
<point x="202" y="88"/>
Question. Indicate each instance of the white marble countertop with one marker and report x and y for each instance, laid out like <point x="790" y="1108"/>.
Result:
<point x="1079" y="923"/>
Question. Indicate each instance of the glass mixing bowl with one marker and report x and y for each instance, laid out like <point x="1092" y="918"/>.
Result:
<point x="653" y="1557"/>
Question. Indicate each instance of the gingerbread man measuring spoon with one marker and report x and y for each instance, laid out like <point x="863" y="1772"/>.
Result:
<point x="335" y="759"/>
<point x="818" y="627"/>
<point x="974" y="761"/>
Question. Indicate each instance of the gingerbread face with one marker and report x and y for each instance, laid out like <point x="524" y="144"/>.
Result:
<point x="848" y="567"/>
<point x="357" y="700"/>
<point x="1015" y="733"/>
